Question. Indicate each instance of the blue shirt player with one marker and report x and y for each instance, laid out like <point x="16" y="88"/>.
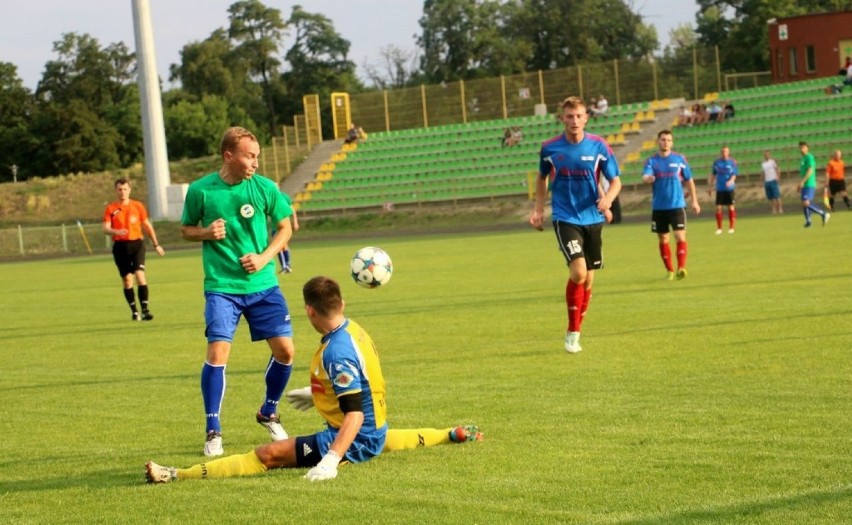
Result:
<point x="724" y="175"/>
<point x="573" y="164"/>
<point x="668" y="171"/>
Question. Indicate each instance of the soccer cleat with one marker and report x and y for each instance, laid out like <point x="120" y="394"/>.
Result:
<point x="681" y="273"/>
<point x="670" y="276"/>
<point x="730" y="230"/>
<point x="135" y="316"/>
<point x="719" y="231"/>
<point x="464" y="433"/>
<point x="158" y="474"/>
<point x="826" y="218"/>
<point x="287" y="269"/>
<point x="273" y="425"/>
<point x="572" y="342"/>
<point x="213" y="444"/>
<point x="147" y="315"/>
<point x="808" y="224"/>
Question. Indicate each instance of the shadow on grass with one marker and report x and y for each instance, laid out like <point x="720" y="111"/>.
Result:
<point x="727" y="513"/>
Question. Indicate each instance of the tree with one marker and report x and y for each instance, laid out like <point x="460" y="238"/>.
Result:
<point x="86" y="114"/>
<point x="319" y="64"/>
<point x="258" y="30"/>
<point x="16" y="107"/>
<point x="396" y="68"/>
<point x="474" y="38"/>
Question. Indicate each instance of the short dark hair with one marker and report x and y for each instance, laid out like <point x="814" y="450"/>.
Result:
<point x="802" y="143"/>
<point x="323" y="295"/>
<point x="665" y="132"/>
<point x="119" y="182"/>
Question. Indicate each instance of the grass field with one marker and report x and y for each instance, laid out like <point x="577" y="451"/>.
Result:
<point x="723" y="398"/>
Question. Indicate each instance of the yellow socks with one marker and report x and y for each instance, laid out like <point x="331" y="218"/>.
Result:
<point x="405" y="438"/>
<point x="227" y="467"/>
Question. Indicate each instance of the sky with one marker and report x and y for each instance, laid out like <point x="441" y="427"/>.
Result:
<point x="29" y="28"/>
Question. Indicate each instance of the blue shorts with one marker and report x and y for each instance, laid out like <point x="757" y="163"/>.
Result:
<point x="808" y="194"/>
<point x="772" y="190"/>
<point x="266" y="314"/>
<point x="365" y="446"/>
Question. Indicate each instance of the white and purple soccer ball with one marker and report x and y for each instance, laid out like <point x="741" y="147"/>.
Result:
<point x="371" y="267"/>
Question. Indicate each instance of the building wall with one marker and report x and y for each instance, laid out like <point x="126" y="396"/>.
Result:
<point x="809" y="46"/>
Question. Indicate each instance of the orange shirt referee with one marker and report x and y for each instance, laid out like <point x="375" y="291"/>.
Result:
<point x="125" y="220"/>
<point x="835" y="179"/>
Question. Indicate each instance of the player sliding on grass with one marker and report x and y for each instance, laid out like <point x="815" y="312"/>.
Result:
<point x="665" y="170"/>
<point x="347" y="389"/>
<point x="574" y="162"/>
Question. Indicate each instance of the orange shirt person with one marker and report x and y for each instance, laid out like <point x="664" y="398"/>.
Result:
<point x="835" y="179"/>
<point x="125" y="220"/>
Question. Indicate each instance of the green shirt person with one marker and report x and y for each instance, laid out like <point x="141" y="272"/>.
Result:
<point x="227" y="211"/>
<point x="807" y="186"/>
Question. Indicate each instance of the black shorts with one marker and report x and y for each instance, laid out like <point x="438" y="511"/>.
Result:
<point x="836" y="186"/>
<point x="662" y="220"/>
<point x="577" y="241"/>
<point x="129" y="256"/>
<point x="724" y="198"/>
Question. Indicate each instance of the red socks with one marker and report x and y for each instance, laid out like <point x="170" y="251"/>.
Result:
<point x="719" y="220"/>
<point x="732" y="217"/>
<point x="666" y="255"/>
<point x="681" y="254"/>
<point x="575" y="296"/>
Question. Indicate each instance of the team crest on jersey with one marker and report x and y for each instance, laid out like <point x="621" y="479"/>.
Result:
<point x="247" y="211"/>
<point x="343" y="379"/>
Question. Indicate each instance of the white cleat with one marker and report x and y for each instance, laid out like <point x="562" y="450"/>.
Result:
<point x="572" y="342"/>
<point x="826" y="218"/>
<point x="213" y="444"/>
<point x="719" y="231"/>
<point x="273" y="425"/>
<point x="730" y="230"/>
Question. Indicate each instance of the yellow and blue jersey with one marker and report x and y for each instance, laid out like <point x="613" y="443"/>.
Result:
<point x="668" y="173"/>
<point x="574" y="171"/>
<point x="346" y="363"/>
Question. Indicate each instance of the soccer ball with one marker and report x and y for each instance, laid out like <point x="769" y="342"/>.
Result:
<point x="371" y="267"/>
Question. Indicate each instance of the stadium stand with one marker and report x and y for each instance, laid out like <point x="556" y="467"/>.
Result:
<point x="452" y="162"/>
<point x="467" y="161"/>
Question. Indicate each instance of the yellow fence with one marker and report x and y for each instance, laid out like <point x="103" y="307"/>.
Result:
<point x="620" y="81"/>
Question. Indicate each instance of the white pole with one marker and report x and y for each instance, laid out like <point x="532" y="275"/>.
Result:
<point x="156" y="156"/>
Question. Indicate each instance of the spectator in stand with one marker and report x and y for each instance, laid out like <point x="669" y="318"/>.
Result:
<point x="835" y="180"/>
<point x="685" y="117"/>
<point x="729" y="111"/>
<point x="715" y="112"/>
<point x="700" y="114"/>
<point x="770" y="182"/>
<point x="601" y="107"/>
<point x="590" y="110"/>
<point x="352" y="134"/>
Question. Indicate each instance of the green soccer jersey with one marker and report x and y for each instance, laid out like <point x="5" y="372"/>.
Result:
<point x="808" y="161"/>
<point x="245" y="208"/>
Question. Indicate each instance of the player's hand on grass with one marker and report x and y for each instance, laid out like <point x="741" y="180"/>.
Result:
<point x="301" y="398"/>
<point x="325" y="469"/>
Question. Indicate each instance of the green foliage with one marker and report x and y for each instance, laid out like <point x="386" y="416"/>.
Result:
<point x="722" y="398"/>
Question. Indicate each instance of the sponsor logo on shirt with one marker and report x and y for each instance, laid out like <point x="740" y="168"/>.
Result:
<point x="247" y="211"/>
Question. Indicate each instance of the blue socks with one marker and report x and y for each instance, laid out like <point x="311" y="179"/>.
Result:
<point x="277" y="376"/>
<point x="213" y="391"/>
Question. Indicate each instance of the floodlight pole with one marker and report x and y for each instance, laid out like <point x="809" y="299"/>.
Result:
<point x="154" y="134"/>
